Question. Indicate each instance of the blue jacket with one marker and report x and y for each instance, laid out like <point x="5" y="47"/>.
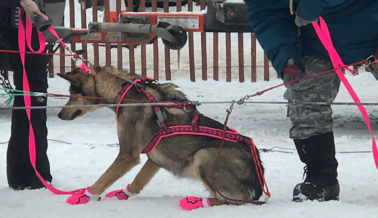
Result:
<point x="353" y="25"/>
<point x="10" y="3"/>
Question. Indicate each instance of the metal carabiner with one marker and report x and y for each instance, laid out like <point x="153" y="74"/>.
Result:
<point x="370" y="60"/>
<point x="74" y="56"/>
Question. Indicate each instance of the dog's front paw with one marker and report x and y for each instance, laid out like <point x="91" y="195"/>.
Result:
<point x="82" y="197"/>
<point x="121" y="194"/>
<point x="190" y="203"/>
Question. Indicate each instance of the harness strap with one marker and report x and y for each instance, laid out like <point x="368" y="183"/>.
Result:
<point x="126" y="89"/>
<point x="157" y="109"/>
<point x="231" y="135"/>
<point x="27" y="98"/>
<point x="325" y="37"/>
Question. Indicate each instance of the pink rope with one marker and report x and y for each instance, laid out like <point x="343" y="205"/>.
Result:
<point x="27" y="98"/>
<point x="325" y="37"/>
<point x="260" y="173"/>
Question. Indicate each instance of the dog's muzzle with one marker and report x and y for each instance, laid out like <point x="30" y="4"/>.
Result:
<point x="76" y="114"/>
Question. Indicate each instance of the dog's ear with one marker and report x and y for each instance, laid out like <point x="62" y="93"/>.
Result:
<point x="70" y="78"/>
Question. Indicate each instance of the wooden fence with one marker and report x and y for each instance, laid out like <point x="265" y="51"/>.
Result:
<point x="232" y="56"/>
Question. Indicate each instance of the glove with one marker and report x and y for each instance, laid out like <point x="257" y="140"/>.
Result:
<point x="291" y="71"/>
<point x="190" y="203"/>
<point x="33" y="10"/>
<point x="32" y="7"/>
<point x="121" y="194"/>
<point x="82" y="197"/>
<point x="302" y="22"/>
<point x="40" y="23"/>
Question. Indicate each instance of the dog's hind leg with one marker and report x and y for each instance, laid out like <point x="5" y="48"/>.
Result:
<point x="195" y="170"/>
<point x="121" y="165"/>
<point x="234" y="175"/>
<point x="213" y="201"/>
<point x="148" y="171"/>
<point x="201" y="158"/>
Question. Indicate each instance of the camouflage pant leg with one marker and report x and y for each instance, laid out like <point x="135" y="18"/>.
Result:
<point x="311" y="119"/>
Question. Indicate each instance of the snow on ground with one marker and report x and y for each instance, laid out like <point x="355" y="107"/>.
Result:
<point x="81" y="150"/>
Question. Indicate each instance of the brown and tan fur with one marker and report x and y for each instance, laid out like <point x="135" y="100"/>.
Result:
<point x="185" y="156"/>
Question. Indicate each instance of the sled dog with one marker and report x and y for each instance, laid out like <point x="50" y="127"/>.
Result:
<point x="184" y="155"/>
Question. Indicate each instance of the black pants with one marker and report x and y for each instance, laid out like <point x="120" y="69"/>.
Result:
<point x="20" y="172"/>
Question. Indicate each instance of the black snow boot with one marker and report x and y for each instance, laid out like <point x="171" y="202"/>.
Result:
<point x="318" y="153"/>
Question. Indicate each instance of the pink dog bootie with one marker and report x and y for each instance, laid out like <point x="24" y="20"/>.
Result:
<point x="121" y="194"/>
<point x="81" y="197"/>
<point x="190" y="203"/>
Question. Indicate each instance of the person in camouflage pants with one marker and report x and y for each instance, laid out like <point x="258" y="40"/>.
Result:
<point x="283" y="29"/>
<point x="311" y="119"/>
<point x="310" y="112"/>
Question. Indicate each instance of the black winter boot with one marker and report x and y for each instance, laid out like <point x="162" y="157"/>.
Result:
<point x="318" y="153"/>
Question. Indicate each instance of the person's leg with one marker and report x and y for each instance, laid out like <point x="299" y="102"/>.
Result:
<point x="312" y="130"/>
<point x="20" y="172"/>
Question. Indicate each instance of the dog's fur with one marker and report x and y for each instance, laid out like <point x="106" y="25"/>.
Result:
<point x="186" y="156"/>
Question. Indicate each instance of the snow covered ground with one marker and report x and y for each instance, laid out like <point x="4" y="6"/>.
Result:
<point x="81" y="150"/>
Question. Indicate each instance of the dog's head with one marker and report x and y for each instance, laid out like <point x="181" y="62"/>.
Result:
<point x="82" y="87"/>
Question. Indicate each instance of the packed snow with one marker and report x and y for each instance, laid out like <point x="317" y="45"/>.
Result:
<point x="82" y="149"/>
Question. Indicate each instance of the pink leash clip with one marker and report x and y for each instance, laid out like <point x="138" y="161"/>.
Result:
<point x="84" y="67"/>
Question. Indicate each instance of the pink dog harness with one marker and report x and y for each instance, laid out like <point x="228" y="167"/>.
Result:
<point x="228" y="135"/>
<point x="193" y="129"/>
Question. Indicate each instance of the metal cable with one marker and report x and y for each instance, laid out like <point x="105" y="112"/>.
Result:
<point x="192" y="102"/>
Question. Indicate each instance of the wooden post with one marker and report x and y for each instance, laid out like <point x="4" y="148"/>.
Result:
<point x="215" y="56"/>
<point x="142" y="7"/>
<point x="241" y="56"/>
<point x="167" y="59"/>
<point x="83" y="25"/>
<point x="228" y="57"/>
<point x="107" y="44"/>
<point x="72" y="25"/>
<point x="156" y="48"/>
<point x="266" y="68"/>
<point x="191" y="48"/>
<point x="96" y="58"/>
<point x="62" y="59"/>
<point x="130" y="6"/>
<point x="253" y="58"/>
<point x="119" y="44"/>
<point x="203" y="48"/>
